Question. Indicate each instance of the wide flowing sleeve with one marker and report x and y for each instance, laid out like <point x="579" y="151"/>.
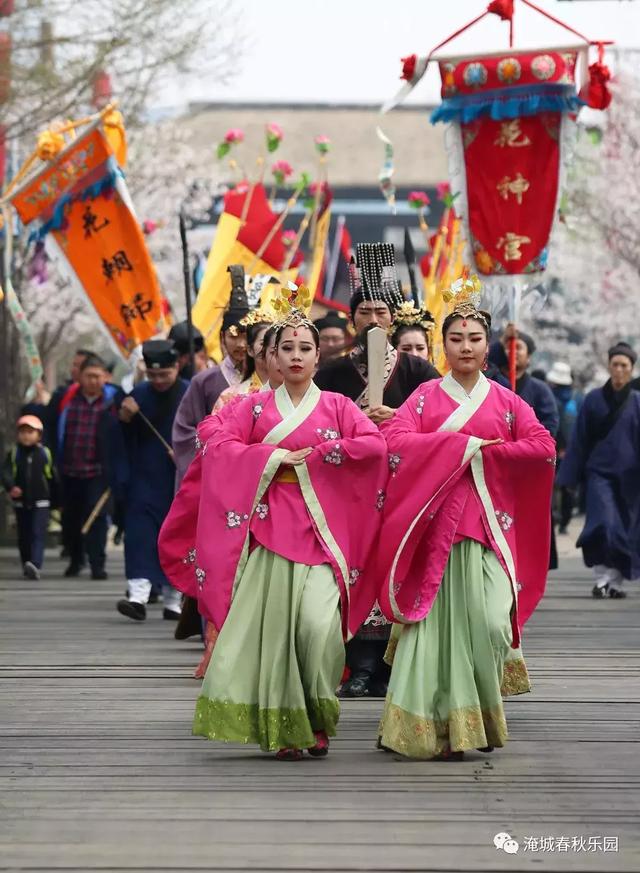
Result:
<point x="425" y="465"/>
<point x="524" y="468"/>
<point x="343" y="485"/>
<point x="233" y="475"/>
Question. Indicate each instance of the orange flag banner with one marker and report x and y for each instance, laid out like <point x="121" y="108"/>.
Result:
<point x="82" y="206"/>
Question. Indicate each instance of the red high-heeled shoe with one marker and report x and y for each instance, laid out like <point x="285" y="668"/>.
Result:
<point x="321" y="748"/>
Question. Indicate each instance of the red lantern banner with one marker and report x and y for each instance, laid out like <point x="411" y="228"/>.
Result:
<point x="507" y="111"/>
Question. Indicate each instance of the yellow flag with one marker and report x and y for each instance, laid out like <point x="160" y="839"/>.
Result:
<point x="215" y="290"/>
<point x="317" y="261"/>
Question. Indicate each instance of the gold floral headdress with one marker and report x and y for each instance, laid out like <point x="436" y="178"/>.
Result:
<point x="292" y="305"/>
<point x="467" y="293"/>
<point x="262" y="315"/>
<point x="408" y="315"/>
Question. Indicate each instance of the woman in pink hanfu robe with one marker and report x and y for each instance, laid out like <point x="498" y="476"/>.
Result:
<point x="290" y="499"/>
<point x="181" y="525"/>
<point x="464" y="551"/>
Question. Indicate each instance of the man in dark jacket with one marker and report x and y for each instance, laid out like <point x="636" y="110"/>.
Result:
<point x="82" y="451"/>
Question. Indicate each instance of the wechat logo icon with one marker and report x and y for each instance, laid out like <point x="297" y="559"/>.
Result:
<point x="503" y="842"/>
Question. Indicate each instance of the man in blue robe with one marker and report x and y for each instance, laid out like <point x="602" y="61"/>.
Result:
<point x="533" y="391"/>
<point x="145" y="477"/>
<point x="604" y="452"/>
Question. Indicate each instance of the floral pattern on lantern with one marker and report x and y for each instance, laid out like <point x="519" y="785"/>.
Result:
<point x="475" y="75"/>
<point x="509" y="70"/>
<point x="543" y="67"/>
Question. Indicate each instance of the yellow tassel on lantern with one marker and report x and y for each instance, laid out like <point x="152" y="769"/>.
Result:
<point x="116" y="136"/>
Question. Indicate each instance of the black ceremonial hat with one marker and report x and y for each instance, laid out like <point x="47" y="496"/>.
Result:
<point x="159" y="353"/>
<point x="179" y="333"/>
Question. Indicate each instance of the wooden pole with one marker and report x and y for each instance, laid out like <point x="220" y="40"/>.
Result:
<point x="513" y="376"/>
<point x="95" y="512"/>
<point x="186" y="275"/>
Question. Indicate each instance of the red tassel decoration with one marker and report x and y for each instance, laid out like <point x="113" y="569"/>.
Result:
<point x="597" y="94"/>
<point x="409" y="67"/>
<point x="503" y="8"/>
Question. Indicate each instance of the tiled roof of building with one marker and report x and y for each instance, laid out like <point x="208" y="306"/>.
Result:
<point x="356" y="153"/>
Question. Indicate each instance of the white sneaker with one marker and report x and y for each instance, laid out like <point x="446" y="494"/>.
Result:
<point x="31" y="571"/>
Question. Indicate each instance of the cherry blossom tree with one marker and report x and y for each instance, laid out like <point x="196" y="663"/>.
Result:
<point x="594" y="271"/>
<point x="166" y="173"/>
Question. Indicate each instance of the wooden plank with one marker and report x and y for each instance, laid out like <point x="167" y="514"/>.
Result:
<point x="98" y="770"/>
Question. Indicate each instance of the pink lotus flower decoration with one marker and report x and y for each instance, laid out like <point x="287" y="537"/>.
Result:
<point x="418" y="199"/>
<point x="322" y="144"/>
<point x="443" y="192"/>
<point x="281" y="171"/>
<point x="148" y="226"/>
<point x="314" y="187"/>
<point x="232" y="137"/>
<point x="288" y="238"/>
<point x="274" y="135"/>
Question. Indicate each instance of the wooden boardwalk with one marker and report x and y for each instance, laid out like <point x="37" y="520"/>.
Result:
<point x="98" y="770"/>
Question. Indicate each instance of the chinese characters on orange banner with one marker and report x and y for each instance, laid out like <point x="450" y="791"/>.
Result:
<point x="81" y="202"/>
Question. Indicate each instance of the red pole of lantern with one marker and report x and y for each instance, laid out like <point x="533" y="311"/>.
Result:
<point x="512" y="363"/>
<point x="102" y="89"/>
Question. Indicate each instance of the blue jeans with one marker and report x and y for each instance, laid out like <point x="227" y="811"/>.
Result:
<point x="32" y="527"/>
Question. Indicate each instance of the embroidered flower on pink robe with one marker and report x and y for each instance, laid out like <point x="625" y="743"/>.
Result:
<point x="190" y="557"/>
<point x="257" y="410"/>
<point x="420" y="405"/>
<point x="200" y="577"/>
<point x="335" y="456"/>
<point x="262" y="510"/>
<point x="509" y="418"/>
<point x="394" y="463"/>
<point x="504" y="519"/>
<point x="354" y="575"/>
<point x="328" y="433"/>
<point x="380" y="499"/>
<point x="234" y="519"/>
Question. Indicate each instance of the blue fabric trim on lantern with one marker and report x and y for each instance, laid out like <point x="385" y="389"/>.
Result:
<point x="508" y="103"/>
<point x="105" y="183"/>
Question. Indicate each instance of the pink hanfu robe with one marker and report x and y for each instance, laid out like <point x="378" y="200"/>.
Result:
<point x="236" y="495"/>
<point x="464" y="557"/>
<point x="434" y="444"/>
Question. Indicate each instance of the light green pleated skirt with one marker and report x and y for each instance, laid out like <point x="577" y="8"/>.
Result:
<point x="451" y="670"/>
<point x="278" y="659"/>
